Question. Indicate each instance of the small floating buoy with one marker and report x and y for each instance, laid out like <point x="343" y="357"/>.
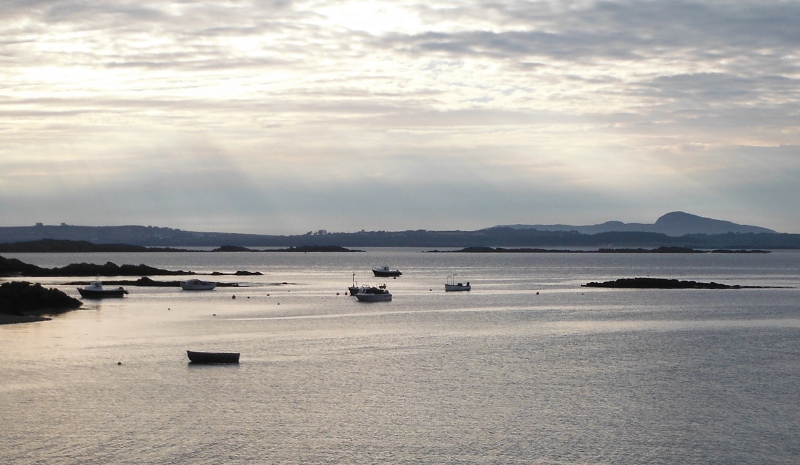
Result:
<point x="337" y="293"/>
<point x="213" y="314"/>
<point x="119" y="363"/>
<point x="537" y="292"/>
<point x="233" y="297"/>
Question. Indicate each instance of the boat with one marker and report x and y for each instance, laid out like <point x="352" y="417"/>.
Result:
<point x="354" y="288"/>
<point x="385" y="272"/>
<point x="197" y="285"/>
<point x="451" y="285"/>
<point x="95" y="290"/>
<point x="213" y="357"/>
<point x="373" y="294"/>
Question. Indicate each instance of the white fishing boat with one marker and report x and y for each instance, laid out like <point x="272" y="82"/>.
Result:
<point x="452" y="286"/>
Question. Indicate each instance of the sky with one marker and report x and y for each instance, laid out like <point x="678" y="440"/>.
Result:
<point x="282" y="117"/>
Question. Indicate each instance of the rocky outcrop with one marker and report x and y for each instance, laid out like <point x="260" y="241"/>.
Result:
<point x="22" y="298"/>
<point x="659" y="283"/>
<point x="14" y="267"/>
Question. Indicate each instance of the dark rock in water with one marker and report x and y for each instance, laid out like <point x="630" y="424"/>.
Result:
<point x="663" y="249"/>
<point x="144" y="281"/>
<point x="659" y="283"/>
<point x="21" y="297"/>
<point x="55" y="245"/>
<point x="320" y="248"/>
<point x="14" y="267"/>
<point x="232" y="248"/>
<point x="302" y="248"/>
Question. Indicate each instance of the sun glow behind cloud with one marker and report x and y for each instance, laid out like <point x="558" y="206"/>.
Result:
<point x="606" y="100"/>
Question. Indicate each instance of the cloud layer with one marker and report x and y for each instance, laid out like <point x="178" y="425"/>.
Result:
<point x="288" y="116"/>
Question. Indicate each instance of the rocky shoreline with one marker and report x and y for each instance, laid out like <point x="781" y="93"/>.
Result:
<point x="25" y="302"/>
<point x="14" y="267"/>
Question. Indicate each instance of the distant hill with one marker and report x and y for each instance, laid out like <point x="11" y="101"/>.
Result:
<point x="671" y="224"/>
<point x="675" y="229"/>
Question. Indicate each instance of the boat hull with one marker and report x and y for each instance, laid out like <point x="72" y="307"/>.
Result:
<point x="374" y="297"/>
<point x="382" y="273"/>
<point x="197" y="285"/>
<point x="95" y="294"/>
<point x="213" y="357"/>
<point x="457" y="287"/>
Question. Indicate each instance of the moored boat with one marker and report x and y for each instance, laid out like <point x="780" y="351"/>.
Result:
<point x="373" y="294"/>
<point x="385" y="272"/>
<point x="95" y="290"/>
<point x="452" y="286"/>
<point x="213" y="357"/>
<point x="197" y="285"/>
<point x="354" y="288"/>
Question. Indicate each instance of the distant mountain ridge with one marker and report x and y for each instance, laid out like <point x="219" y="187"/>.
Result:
<point x="672" y="224"/>
<point x="674" y="229"/>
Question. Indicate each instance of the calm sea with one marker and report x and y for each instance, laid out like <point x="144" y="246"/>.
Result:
<point x="527" y="368"/>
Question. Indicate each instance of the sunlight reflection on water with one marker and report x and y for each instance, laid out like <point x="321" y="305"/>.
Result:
<point x="497" y="375"/>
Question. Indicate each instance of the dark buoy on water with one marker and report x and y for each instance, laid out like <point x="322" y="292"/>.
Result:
<point x="233" y="297"/>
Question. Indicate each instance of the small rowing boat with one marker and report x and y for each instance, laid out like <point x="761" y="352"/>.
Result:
<point x="213" y="357"/>
<point x="198" y="285"/>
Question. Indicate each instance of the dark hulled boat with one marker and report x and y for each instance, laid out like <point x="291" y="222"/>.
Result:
<point x="385" y="272"/>
<point x="95" y="290"/>
<point x="213" y="357"/>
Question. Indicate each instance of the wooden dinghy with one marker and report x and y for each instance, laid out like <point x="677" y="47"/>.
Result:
<point x="213" y="357"/>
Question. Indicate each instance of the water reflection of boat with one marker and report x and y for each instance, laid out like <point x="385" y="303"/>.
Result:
<point x="95" y="290"/>
<point x="385" y="272"/>
<point x="197" y="285"/>
<point x="213" y="357"/>
<point x="373" y="294"/>
<point x="451" y="285"/>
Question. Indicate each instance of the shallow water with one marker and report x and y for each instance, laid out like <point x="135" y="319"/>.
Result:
<point x="528" y="367"/>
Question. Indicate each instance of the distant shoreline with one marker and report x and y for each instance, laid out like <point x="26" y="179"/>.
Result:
<point x="67" y="246"/>
<point x="680" y="250"/>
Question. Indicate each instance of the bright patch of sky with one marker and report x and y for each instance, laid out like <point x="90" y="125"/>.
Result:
<point x="449" y="115"/>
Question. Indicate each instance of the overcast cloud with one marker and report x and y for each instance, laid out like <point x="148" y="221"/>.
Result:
<point x="281" y="117"/>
